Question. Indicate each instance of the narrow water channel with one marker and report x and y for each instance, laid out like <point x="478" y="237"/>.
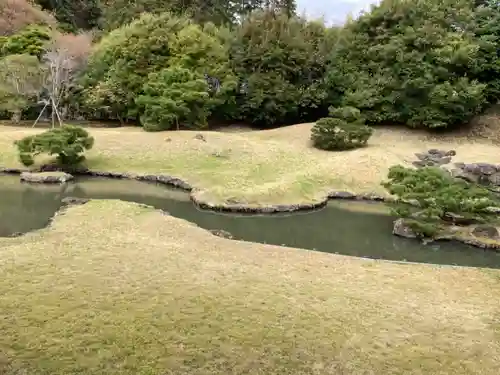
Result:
<point x="349" y="228"/>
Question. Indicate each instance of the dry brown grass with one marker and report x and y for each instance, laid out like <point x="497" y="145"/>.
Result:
<point x="115" y="288"/>
<point x="273" y="166"/>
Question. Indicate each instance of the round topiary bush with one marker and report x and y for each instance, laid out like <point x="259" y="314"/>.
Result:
<point x="336" y="134"/>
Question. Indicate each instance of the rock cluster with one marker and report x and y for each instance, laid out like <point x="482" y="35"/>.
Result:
<point x="433" y="158"/>
<point x="481" y="173"/>
<point x="482" y="235"/>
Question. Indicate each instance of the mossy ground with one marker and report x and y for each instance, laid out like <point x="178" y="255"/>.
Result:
<point x="262" y="167"/>
<point x="116" y="288"/>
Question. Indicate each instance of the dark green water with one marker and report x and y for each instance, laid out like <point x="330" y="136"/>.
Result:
<point x="334" y="229"/>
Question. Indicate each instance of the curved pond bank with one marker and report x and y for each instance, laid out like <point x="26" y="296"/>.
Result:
<point x="344" y="227"/>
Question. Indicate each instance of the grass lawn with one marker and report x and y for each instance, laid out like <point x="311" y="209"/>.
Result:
<point x="115" y="288"/>
<point x="273" y="166"/>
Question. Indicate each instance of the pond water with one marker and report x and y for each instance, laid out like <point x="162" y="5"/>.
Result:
<point x="350" y="228"/>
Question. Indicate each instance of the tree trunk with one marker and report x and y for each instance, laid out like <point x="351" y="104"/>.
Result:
<point x="53" y="117"/>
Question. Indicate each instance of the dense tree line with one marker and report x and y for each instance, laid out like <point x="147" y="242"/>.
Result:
<point x="171" y="64"/>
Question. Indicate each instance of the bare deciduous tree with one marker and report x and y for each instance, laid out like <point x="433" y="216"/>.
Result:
<point x="65" y="58"/>
<point x="17" y="14"/>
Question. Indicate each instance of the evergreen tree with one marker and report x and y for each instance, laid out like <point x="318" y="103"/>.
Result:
<point x="437" y="198"/>
<point x="173" y="97"/>
<point x="410" y="62"/>
<point x="282" y="63"/>
<point x="124" y="59"/>
<point x="74" y="14"/>
<point x="219" y="12"/>
<point x="67" y="142"/>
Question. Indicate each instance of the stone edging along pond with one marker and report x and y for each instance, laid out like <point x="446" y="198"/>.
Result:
<point x="233" y="207"/>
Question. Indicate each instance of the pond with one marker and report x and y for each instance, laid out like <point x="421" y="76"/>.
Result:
<point x="351" y="228"/>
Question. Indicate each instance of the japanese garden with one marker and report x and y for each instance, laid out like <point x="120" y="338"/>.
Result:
<point x="192" y="187"/>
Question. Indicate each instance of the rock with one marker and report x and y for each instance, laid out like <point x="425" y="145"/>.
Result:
<point x="480" y="169"/>
<point x="434" y="151"/>
<point x="168" y="139"/>
<point x="173" y="181"/>
<point x="402" y="229"/>
<point x="46" y="177"/>
<point x="464" y="175"/>
<point x="341" y="195"/>
<point x="487" y="231"/>
<point x="221" y="233"/>
<point x="487" y="169"/>
<point x="458" y="219"/>
<point x="437" y="153"/>
<point x="433" y="158"/>
<point x="371" y="197"/>
<point x="421" y="156"/>
<point x="419" y="164"/>
<point x="494" y="179"/>
<point x="411" y="202"/>
<point x="443" y="160"/>
<point x="200" y="137"/>
<point x="459" y="165"/>
<point x="73" y="201"/>
<point x="148" y="177"/>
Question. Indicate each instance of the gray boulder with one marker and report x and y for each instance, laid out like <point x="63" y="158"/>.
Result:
<point x="486" y="231"/>
<point x="46" y="177"/>
<point x="402" y="229"/>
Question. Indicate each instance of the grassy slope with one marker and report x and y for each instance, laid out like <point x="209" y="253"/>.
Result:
<point x="277" y="166"/>
<point x="114" y="288"/>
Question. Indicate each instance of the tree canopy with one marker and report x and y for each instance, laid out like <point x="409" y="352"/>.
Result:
<point x="410" y="62"/>
<point x="421" y="63"/>
<point x="121" y="62"/>
<point x="282" y="62"/>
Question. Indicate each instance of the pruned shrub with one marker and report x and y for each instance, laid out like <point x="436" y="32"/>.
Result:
<point x="345" y="130"/>
<point x="67" y="142"/>
<point x="437" y="198"/>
